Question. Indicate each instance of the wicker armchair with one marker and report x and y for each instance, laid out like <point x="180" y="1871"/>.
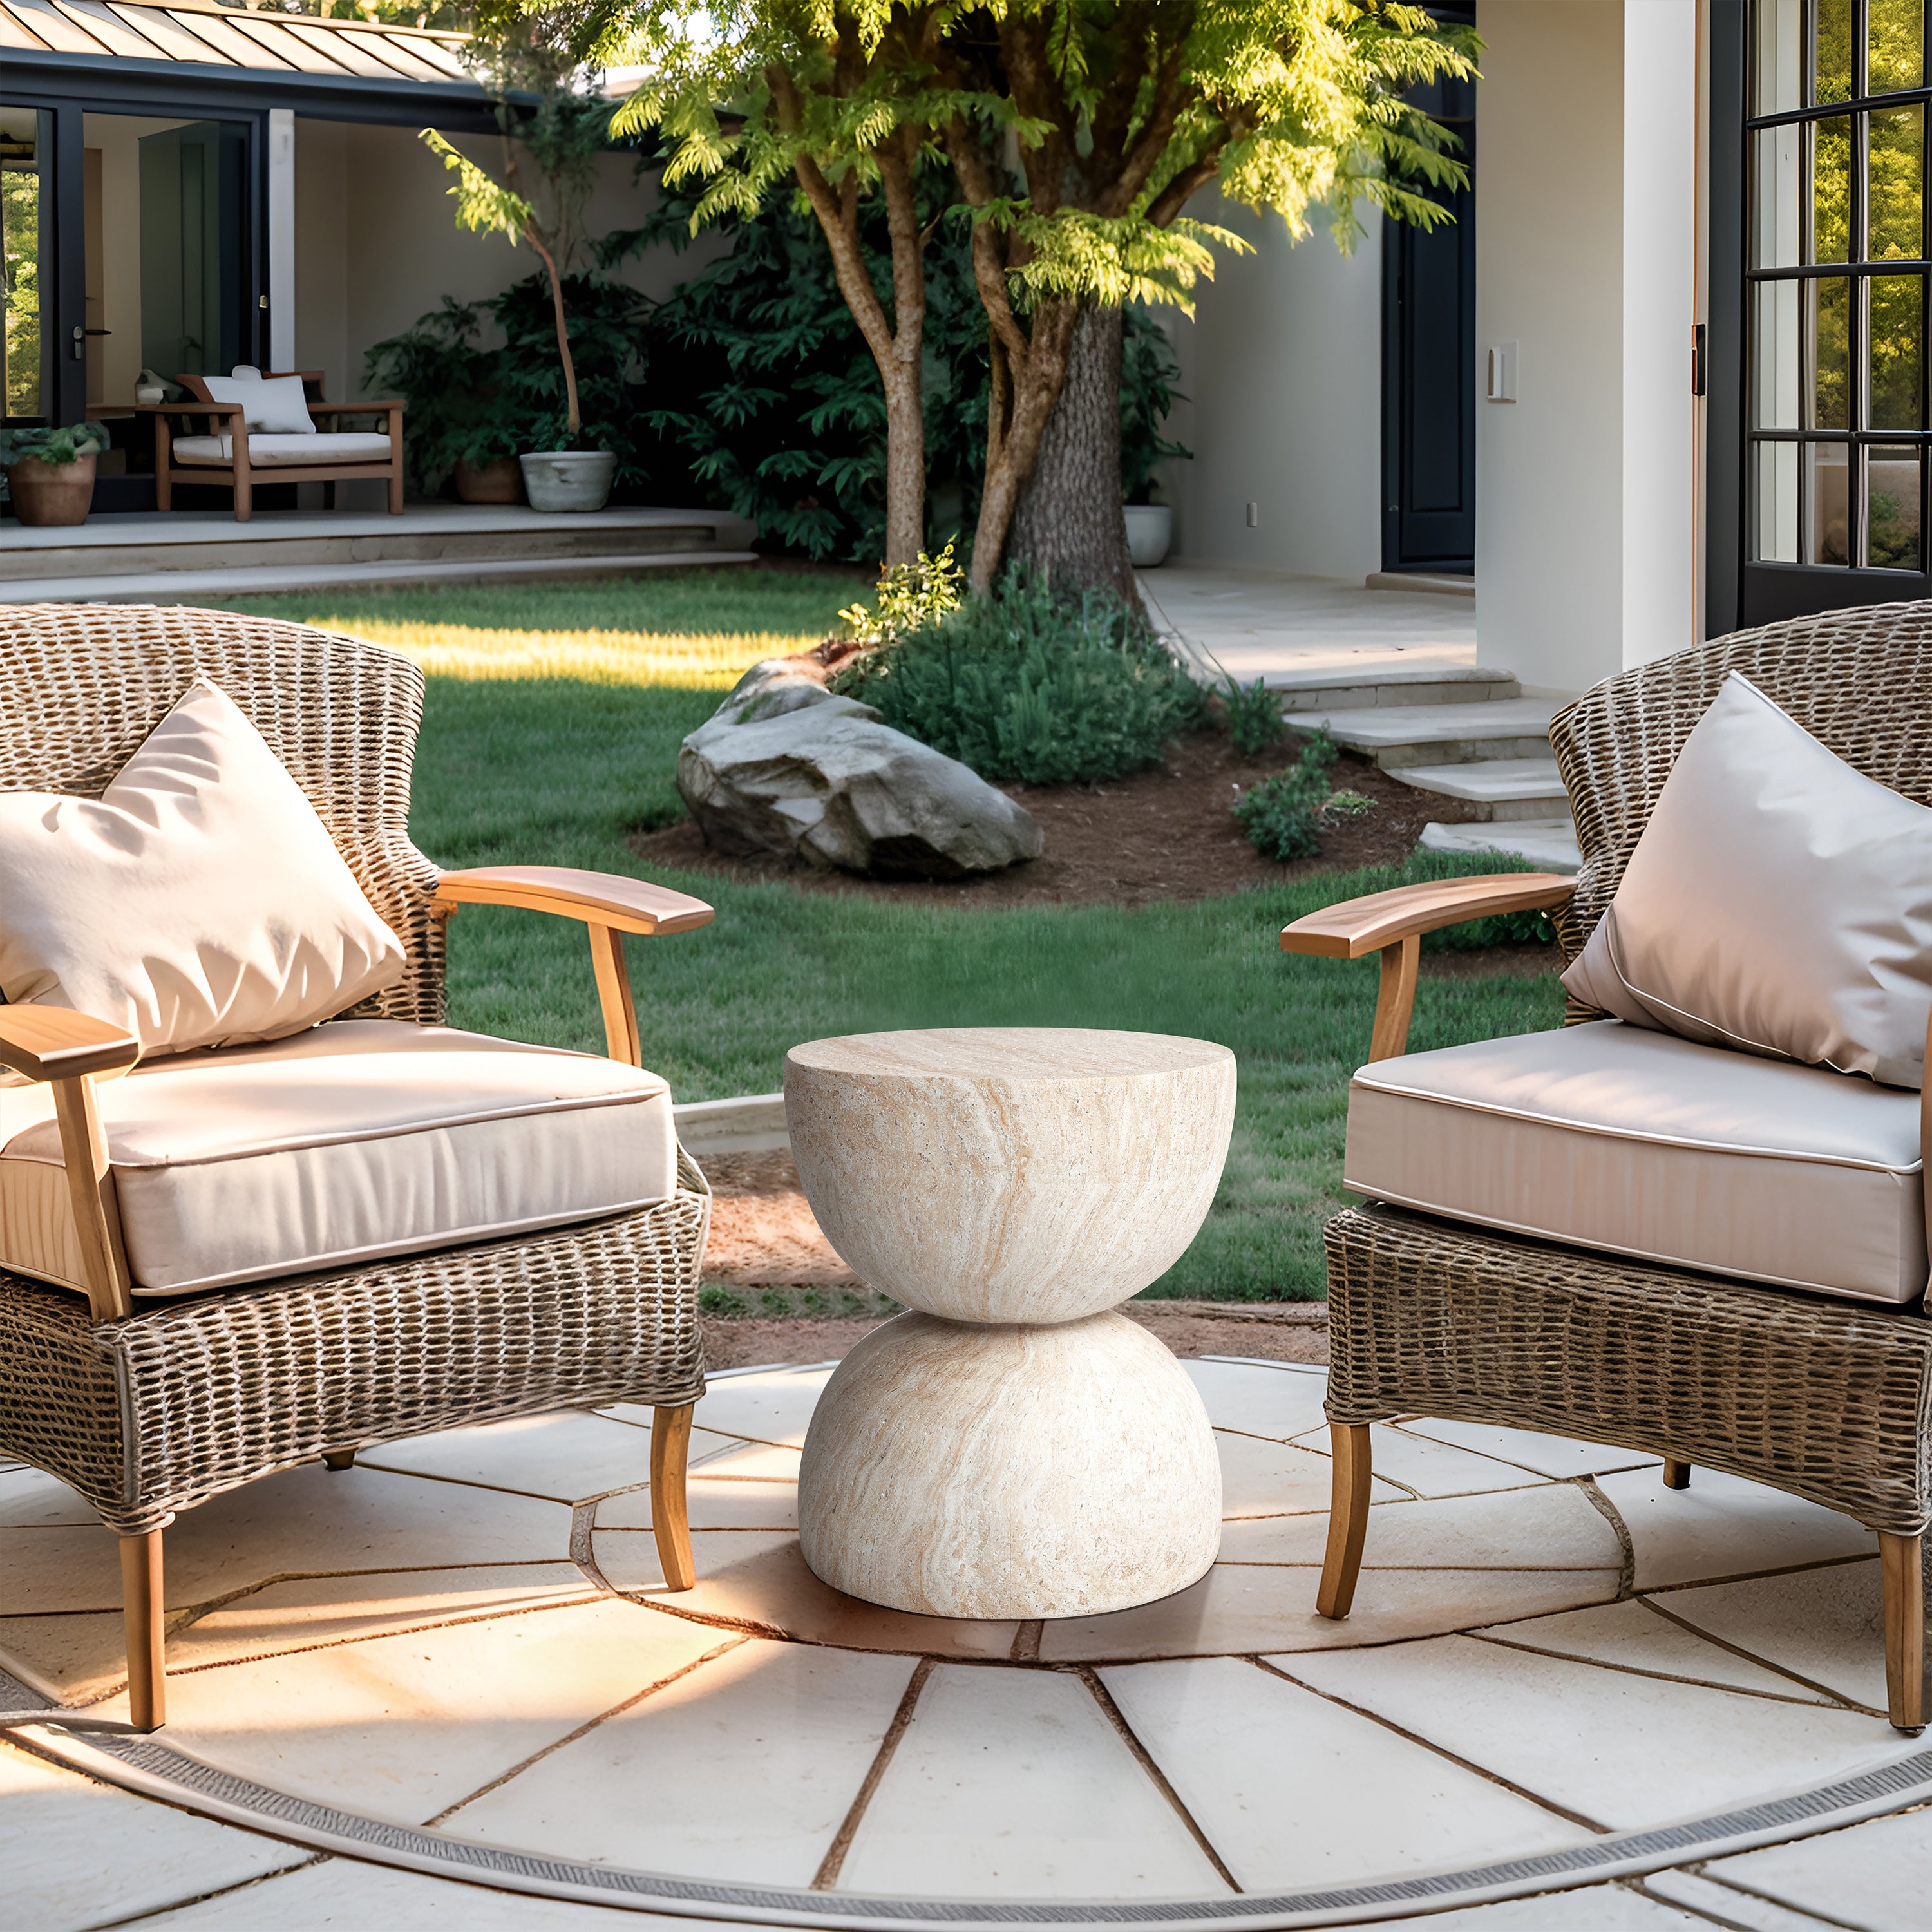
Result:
<point x="148" y="1407"/>
<point x="1825" y="1398"/>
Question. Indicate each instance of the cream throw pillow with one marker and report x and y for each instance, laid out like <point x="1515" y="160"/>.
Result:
<point x="199" y="902"/>
<point x="271" y="405"/>
<point x="1777" y="901"/>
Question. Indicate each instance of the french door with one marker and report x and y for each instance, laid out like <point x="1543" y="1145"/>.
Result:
<point x="1833" y="490"/>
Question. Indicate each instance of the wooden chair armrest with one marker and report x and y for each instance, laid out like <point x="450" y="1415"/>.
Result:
<point x="64" y="1047"/>
<point x="609" y="906"/>
<point x="356" y="409"/>
<point x="1392" y="924"/>
<point x="56" y="1043"/>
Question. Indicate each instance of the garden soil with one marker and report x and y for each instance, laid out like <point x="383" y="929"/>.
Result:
<point x="1168" y="832"/>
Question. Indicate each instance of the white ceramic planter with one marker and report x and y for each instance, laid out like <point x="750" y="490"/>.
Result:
<point x="568" y="479"/>
<point x="1150" y="531"/>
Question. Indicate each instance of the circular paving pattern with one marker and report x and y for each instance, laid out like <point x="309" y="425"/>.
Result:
<point x="459" y="1657"/>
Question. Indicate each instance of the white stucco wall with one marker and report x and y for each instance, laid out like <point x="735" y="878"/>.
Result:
<point x="1586" y="258"/>
<point x="377" y="243"/>
<point x="1282" y="368"/>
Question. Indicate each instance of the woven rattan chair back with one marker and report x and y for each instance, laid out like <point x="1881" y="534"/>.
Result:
<point x="84" y="685"/>
<point x="1859" y="680"/>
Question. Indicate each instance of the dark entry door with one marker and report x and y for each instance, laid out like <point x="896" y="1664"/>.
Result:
<point x="1428" y="363"/>
<point x="193" y="267"/>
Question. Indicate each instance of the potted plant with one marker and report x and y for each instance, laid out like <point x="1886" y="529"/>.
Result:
<point x="1147" y="375"/>
<point x="50" y="472"/>
<point x="562" y="134"/>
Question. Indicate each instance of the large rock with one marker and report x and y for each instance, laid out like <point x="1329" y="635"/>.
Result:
<point x="785" y="766"/>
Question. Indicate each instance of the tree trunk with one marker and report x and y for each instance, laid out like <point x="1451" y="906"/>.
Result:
<point x="1067" y="525"/>
<point x="1027" y="376"/>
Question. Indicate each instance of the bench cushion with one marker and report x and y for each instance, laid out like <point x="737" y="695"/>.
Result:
<point x="270" y="452"/>
<point x="1612" y="1136"/>
<point x="358" y="1139"/>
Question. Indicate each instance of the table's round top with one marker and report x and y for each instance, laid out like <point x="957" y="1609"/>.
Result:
<point x="1007" y="1054"/>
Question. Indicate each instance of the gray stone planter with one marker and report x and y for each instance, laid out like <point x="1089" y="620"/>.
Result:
<point x="1150" y="531"/>
<point x="568" y="479"/>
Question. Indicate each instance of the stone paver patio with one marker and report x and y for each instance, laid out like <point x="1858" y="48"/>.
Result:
<point x="447" y="1688"/>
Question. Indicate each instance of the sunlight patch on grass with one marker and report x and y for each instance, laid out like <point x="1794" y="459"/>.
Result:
<point x="690" y="662"/>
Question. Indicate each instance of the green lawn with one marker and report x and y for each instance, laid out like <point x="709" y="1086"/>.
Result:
<point x="554" y="714"/>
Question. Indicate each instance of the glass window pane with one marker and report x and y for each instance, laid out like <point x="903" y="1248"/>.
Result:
<point x="1831" y="186"/>
<point x="1832" y="51"/>
<point x="1775" y="361"/>
<point x="1775" y="524"/>
<point x="1777" y="211"/>
<point x="1894" y="192"/>
<point x="1892" y="498"/>
<point x="1896" y="39"/>
<point x="1826" y="538"/>
<point x="1781" y="56"/>
<point x="1827" y="306"/>
<point x="20" y="253"/>
<point x="1897" y="379"/>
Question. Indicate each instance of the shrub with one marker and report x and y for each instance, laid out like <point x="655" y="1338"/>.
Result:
<point x="1253" y="715"/>
<point x="1283" y="815"/>
<point x="1031" y="684"/>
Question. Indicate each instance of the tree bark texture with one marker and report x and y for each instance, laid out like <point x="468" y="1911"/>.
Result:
<point x="1067" y="524"/>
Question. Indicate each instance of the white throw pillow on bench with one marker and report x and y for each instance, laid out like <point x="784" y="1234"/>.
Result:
<point x="1778" y="901"/>
<point x="275" y="406"/>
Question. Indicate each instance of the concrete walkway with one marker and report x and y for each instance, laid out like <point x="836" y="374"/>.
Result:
<point x="1289" y="629"/>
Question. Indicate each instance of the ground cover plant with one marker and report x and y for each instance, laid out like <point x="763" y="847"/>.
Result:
<point x="1023" y="681"/>
<point x="553" y="720"/>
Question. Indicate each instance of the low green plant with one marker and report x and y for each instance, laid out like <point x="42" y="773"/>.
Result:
<point x="1283" y="815"/>
<point x="52" y="445"/>
<point x="1029" y="683"/>
<point x="911" y="597"/>
<point x="1253" y="714"/>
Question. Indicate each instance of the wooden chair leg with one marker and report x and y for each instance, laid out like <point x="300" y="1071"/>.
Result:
<point x="142" y="1607"/>
<point x="1347" y="1517"/>
<point x="338" y="1458"/>
<point x="1902" y="1558"/>
<point x="1676" y="1474"/>
<point x="670" y="1522"/>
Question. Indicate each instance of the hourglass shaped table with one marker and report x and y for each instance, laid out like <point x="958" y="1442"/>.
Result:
<point x="1009" y="1448"/>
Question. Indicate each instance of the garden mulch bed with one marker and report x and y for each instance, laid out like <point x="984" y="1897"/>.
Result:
<point x="776" y="1292"/>
<point x="1169" y="832"/>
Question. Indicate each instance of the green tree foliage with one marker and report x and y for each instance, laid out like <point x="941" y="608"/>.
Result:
<point x="760" y="382"/>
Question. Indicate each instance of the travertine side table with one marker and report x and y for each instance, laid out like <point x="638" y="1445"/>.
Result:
<point x="1009" y="1448"/>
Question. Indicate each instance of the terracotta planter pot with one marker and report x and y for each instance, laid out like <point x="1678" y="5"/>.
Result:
<point x="501" y="481"/>
<point x="48" y="495"/>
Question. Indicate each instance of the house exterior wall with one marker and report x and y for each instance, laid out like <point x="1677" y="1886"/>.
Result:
<point x="377" y="243"/>
<point x="1586" y="258"/>
<point x="1282" y="369"/>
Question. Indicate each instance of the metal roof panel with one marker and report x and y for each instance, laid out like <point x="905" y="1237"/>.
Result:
<point x="12" y="33"/>
<point x="56" y="29"/>
<point x="231" y="49"/>
<point x="278" y="37"/>
<point x="105" y="24"/>
<point x="407" y="58"/>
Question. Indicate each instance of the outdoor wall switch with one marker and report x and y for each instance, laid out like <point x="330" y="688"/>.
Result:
<point x="1254" y="516"/>
<point x="1500" y="384"/>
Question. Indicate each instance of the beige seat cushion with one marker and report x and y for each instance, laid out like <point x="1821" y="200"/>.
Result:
<point x="198" y="902"/>
<point x="1612" y="1136"/>
<point x="269" y="452"/>
<point x="356" y="1140"/>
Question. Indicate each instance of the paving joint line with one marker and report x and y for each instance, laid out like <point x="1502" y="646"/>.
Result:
<point x="1837" y="1697"/>
<point x="1670" y="1676"/>
<point x="833" y="1862"/>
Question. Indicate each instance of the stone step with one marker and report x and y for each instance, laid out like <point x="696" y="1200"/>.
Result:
<point x="1373" y="685"/>
<point x="1397" y="736"/>
<point x="154" y="543"/>
<point x="196" y="587"/>
<point x="1441" y="584"/>
<point x="1497" y="788"/>
<point x="1548" y="844"/>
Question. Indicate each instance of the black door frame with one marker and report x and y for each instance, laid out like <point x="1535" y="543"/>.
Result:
<point x="1396" y="240"/>
<point x="1739" y="591"/>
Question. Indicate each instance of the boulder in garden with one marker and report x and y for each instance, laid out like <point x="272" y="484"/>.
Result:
<point x="785" y="766"/>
